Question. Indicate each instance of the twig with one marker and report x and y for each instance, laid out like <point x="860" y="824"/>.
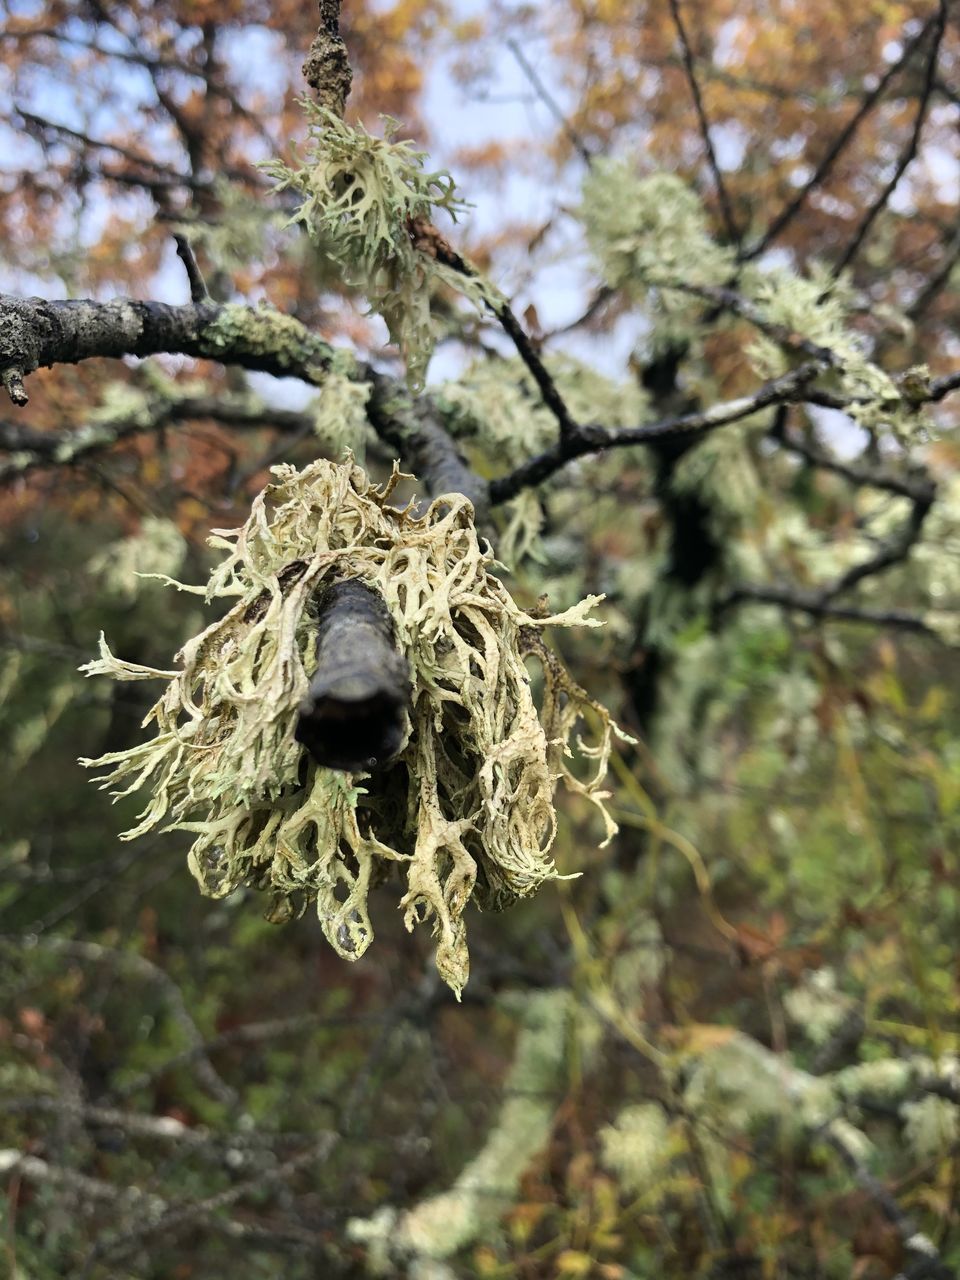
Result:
<point x="909" y="152"/>
<point x="926" y="1261"/>
<point x="813" y="603"/>
<point x="833" y="152"/>
<point x="198" y="286"/>
<point x="549" y="101"/>
<point x="856" y="473"/>
<point x="591" y="439"/>
<point x="730" y="222"/>
<point x="427" y="239"/>
<point x="34" y="333"/>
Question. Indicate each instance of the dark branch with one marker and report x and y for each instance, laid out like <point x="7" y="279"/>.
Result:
<point x="592" y="439"/>
<point x="909" y="152"/>
<point x="198" y="286"/>
<point x="428" y="240"/>
<point x="357" y="711"/>
<point x="730" y="222"/>
<point x="925" y="1261"/>
<point x="837" y="147"/>
<point x="918" y="488"/>
<point x="814" y="604"/>
<point x="415" y="429"/>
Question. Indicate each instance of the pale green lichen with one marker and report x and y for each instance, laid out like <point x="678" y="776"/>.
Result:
<point x="467" y="808"/>
<point x="267" y="333"/>
<point x="237" y="231"/>
<point x="639" y="1147"/>
<point x="157" y="549"/>
<point x="816" y="1006"/>
<point x="340" y="415"/>
<point x="649" y="232"/>
<point x="551" y="1025"/>
<point x="931" y="1126"/>
<point x="819" y="309"/>
<point x="362" y="197"/>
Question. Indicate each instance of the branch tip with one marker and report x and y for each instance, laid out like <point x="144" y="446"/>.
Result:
<point x="12" y="380"/>
<point x="198" y="286"/>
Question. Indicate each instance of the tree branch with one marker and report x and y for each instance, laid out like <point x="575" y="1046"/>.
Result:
<point x="357" y="709"/>
<point x="918" y="488"/>
<point x="35" y="334"/>
<point x="730" y="222"/>
<point x="813" y="603"/>
<point x="910" y="151"/>
<point x="592" y="439"/>
<point x="836" y="148"/>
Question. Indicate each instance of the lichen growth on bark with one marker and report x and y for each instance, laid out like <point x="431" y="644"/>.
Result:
<point x="466" y="810"/>
<point x="362" y="198"/>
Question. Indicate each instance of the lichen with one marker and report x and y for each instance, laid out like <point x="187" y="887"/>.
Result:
<point x="362" y="197"/>
<point x="649" y="231"/>
<point x="639" y="1146"/>
<point x="340" y="415"/>
<point x="266" y="332"/>
<point x="441" y="1225"/>
<point x="467" y="808"/>
<point x="157" y="549"/>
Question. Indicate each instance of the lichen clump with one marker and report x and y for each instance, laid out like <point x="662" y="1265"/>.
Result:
<point x="362" y="198"/>
<point x="466" y="809"/>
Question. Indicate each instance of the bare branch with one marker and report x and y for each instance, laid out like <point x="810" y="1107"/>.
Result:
<point x="837" y="147"/>
<point x="918" y="488"/>
<point x="813" y="603"/>
<point x="198" y="286"/>
<point x="592" y="439"/>
<point x="909" y="152"/>
<point x="730" y="222"/>
<point x="543" y="93"/>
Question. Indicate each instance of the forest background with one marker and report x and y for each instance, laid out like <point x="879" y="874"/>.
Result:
<point x="731" y="1046"/>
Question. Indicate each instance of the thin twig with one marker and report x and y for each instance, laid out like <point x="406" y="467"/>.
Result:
<point x="198" y="286"/>
<point x="594" y="439"/>
<point x="730" y="222"/>
<point x="550" y="102"/>
<point x="909" y="152"/>
<point x="836" y="148"/>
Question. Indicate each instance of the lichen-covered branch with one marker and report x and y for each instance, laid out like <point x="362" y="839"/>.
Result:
<point x="442" y="1224"/>
<point x="593" y="439"/>
<point x="327" y="68"/>
<point x="356" y="713"/>
<point x="37" y="334"/>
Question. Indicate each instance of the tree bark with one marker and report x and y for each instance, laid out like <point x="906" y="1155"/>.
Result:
<point x="356" y="712"/>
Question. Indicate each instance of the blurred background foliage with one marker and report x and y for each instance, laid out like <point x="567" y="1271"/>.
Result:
<point x="730" y="1047"/>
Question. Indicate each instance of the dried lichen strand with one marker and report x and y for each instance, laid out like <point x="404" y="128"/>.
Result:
<point x="466" y="810"/>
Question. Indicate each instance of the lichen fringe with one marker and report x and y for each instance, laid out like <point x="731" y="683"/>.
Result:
<point x="466" y="810"/>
